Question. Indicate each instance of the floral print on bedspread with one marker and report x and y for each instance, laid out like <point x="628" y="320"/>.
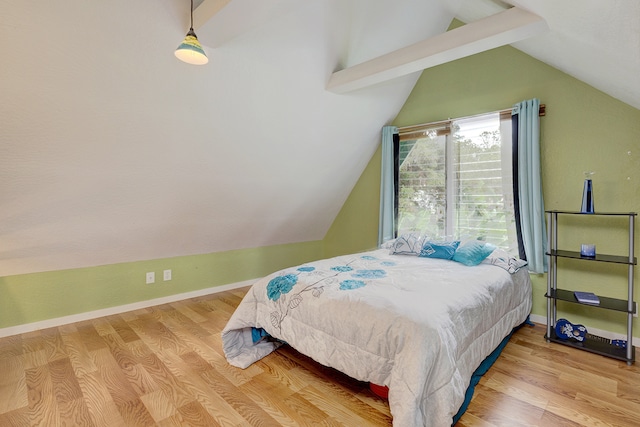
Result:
<point x="286" y="296"/>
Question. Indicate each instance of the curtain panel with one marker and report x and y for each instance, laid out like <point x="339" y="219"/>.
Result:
<point x="388" y="185"/>
<point x="528" y="185"/>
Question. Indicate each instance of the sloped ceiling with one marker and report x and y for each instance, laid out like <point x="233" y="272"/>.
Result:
<point x="595" y="41"/>
<point x="114" y="151"/>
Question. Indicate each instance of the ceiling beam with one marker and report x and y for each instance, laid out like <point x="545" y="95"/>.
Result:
<point x="206" y="10"/>
<point x="497" y="30"/>
<point x="223" y="20"/>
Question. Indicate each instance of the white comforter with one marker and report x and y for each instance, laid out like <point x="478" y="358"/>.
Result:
<point x="420" y="326"/>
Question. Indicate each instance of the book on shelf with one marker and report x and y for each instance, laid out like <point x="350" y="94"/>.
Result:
<point x="587" y="297"/>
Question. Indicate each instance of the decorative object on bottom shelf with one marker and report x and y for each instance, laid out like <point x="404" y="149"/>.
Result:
<point x="566" y="330"/>
<point x="619" y="343"/>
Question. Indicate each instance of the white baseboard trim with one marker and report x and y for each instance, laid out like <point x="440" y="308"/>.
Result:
<point x="89" y="315"/>
<point x="542" y="320"/>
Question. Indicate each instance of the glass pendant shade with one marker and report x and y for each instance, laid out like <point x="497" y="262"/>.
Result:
<point x="190" y="50"/>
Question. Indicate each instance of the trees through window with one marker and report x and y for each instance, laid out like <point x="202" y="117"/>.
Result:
<point x="455" y="179"/>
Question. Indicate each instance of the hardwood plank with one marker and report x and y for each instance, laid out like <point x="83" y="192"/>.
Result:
<point x="166" y="381"/>
<point x="101" y="407"/>
<point x="240" y="402"/>
<point x="551" y="419"/>
<point x="123" y="329"/>
<point x="209" y="347"/>
<point x="78" y="354"/>
<point x="134" y="412"/>
<point x="185" y="308"/>
<point x="374" y="401"/>
<point x="13" y="395"/>
<point x="32" y="359"/>
<point x="75" y="413"/>
<point x="11" y="346"/>
<point x="617" y="413"/>
<point x="31" y="341"/>
<point x="277" y="368"/>
<point x="159" y="405"/>
<point x="195" y="415"/>
<point x="172" y="421"/>
<point x="519" y="390"/>
<point x="471" y="420"/>
<point x="165" y="366"/>
<point x="189" y="370"/>
<point x="53" y="345"/>
<point x="65" y="382"/>
<point x="138" y="378"/>
<point x="503" y="409"/>
<point x="90" y="337"/>
<point x="16" y="418"/>
<point x="11" y="370"/>
<point x="335" y="408"/>
<point x="42" y="408"/>
<point x="308" y="411"/>
<point x="103" y="326"/>
<point x="157" y="335"/>
<point x="122" y="393"/>
<point x="271" y="396"/>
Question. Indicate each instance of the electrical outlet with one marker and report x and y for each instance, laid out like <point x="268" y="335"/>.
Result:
<point x="166" y="275"/>
<point x="151" y="277"/>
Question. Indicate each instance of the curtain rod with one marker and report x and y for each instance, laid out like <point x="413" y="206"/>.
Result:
<point x="407" y="129"/>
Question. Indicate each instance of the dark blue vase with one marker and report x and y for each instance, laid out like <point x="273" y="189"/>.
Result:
<point x="587" y="197"/>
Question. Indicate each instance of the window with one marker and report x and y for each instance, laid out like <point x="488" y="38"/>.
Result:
<point x="455" y="179"/>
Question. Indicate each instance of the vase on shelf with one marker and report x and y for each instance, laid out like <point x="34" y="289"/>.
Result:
<point x="587" y="194"/>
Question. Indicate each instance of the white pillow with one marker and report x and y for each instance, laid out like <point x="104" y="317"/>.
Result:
<point x="501" y="258"/>
<point x="388" y="244"/>
<point x="408" y="244"/>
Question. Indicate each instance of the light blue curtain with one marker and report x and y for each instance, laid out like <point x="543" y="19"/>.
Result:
<point x="532" y="217"/>
<point x="386" y="228"/>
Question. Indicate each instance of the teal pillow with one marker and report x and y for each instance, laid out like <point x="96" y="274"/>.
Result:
<point x="473" y="252"/>
<point x="442" y="250"/>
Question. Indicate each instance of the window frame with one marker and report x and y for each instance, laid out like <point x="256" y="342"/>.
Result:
<point x="446" y="128"/>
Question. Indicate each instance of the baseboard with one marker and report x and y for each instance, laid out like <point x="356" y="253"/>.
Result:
<point x="535" y="318"/>
<point x="89" y="315"/>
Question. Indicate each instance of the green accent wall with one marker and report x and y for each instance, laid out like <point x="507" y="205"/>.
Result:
<point x="29" y="298"/>
<point x="583" y="130"/>
<point x="355" y="228"/>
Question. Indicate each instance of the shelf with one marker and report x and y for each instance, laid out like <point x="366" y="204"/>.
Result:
<point x="605" y="302"/>
<point x="592" y="343"/>
<point x="599" y="257"/>
<point x="595" y="213"/>
<point x="597" y="345"/>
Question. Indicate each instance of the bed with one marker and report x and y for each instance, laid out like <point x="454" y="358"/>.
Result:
<point x="418" y="325"/>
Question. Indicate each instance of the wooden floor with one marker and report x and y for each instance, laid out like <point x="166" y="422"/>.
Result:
<point x="164" y="366"/>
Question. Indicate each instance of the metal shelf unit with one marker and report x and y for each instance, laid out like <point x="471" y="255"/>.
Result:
<point x="592" y="343"/>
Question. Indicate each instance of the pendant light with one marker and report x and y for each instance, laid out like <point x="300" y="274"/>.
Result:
<point x="190" y="50"/>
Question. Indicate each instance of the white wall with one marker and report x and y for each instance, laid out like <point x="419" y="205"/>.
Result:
<point x="113" y="150"/>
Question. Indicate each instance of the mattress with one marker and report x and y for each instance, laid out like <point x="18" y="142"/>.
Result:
<point x="420" y="326"/>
